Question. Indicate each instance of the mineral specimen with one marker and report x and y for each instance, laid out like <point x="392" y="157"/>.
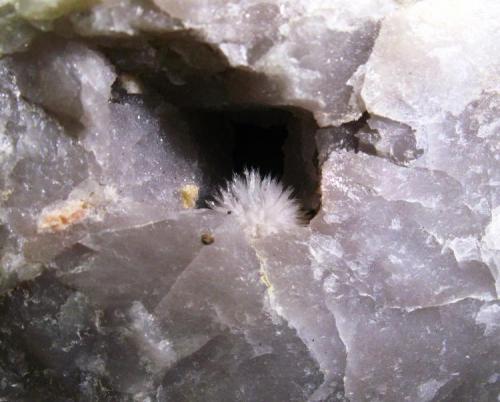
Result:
<point x="134" y="265"/>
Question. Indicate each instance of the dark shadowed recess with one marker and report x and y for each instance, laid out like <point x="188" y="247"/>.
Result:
<point x="276" y="142"/>
<point x="231" y="111"/>
<point x="256" y="147"/>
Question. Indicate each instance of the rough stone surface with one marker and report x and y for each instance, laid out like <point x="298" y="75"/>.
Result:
<point x="118" y="120"/>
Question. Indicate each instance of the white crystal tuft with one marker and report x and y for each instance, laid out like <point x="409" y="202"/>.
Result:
<point x="261" y="204"/>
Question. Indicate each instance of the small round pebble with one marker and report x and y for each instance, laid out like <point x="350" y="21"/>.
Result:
<point x="207" y="238"/>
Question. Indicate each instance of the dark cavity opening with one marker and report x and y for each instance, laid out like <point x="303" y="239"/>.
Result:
<point x="274" y="141"/>
<point x="259" y="148"/>
<point x="257" y="139"/>
<point x="234" y="130"/>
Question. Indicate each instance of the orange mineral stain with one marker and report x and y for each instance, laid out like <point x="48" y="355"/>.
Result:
<point x="58" y="219"/>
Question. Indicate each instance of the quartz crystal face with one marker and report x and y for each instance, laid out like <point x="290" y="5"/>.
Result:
<point x="250" y="200"/>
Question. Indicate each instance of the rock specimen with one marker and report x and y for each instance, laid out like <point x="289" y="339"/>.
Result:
<point x="120" y="119"/>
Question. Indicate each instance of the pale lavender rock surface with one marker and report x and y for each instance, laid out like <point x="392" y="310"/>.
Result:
<point x="119" y="285"/>
<point x="310" y="49"/>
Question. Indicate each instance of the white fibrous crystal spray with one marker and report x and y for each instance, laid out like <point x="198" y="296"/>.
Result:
<point x="261" y="204"/>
